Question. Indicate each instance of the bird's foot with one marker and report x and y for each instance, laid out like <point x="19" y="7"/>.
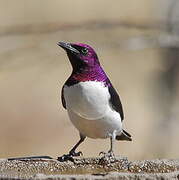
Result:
<point x="107" y="158"/>
<point x="75" y="154"/>
<point x="69" y="156"/>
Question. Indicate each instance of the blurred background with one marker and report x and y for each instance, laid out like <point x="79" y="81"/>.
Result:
<point x="137" y="43"/>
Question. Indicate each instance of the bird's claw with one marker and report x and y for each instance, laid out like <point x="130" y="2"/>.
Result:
<point x="69" y="157"/>
<point x="75" y="154"/>
<point x="65" y="157"/>
<point x="107" y="157"/>
<point x="102" y="153"/>
<point x="109" y="154"/>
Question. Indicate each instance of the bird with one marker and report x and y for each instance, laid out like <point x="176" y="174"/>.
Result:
<point x="93" y="105"/>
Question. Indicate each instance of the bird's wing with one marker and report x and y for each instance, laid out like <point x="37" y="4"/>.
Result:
<point x="62" y="98"/>
<point x="124" y="136"/>
<point x="115" y="101"/>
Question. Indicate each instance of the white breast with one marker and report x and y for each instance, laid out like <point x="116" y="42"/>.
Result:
<point x="89" y="100"/>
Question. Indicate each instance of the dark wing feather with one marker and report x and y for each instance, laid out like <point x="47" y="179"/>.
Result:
<point x="115" y="101"/>
<point x="62" y="98"/>
<point x="124" y="136"/>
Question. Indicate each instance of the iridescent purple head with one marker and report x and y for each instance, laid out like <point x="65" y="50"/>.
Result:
<point x="85" y="63"/>
<point x="81" y="56"/>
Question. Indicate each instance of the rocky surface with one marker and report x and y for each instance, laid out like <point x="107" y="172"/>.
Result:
<point x="88" y="168"/>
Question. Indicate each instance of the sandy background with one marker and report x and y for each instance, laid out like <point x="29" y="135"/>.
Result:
<point x="33" y="69"/>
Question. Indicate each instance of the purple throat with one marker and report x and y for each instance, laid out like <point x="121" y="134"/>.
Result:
<point x="93" y="74"/>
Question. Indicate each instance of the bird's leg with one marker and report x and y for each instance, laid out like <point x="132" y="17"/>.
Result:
<point x="110" y="154"/>
<point x="72" y="152"/>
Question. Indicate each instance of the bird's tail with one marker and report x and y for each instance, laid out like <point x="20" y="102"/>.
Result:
<point x="124" y="136"/>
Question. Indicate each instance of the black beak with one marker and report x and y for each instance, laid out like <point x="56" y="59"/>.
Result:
<point x="68" y="47"/>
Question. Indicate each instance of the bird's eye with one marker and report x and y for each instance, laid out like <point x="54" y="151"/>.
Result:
<point x="84" y="51"/>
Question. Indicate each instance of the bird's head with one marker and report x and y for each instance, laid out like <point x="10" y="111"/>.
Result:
<point x="81" y="56"/>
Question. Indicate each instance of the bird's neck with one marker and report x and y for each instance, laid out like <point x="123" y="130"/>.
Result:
<point x="95" y="73"/>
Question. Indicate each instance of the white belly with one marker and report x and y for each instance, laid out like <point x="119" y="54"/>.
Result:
<point x="89" y="110"/>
